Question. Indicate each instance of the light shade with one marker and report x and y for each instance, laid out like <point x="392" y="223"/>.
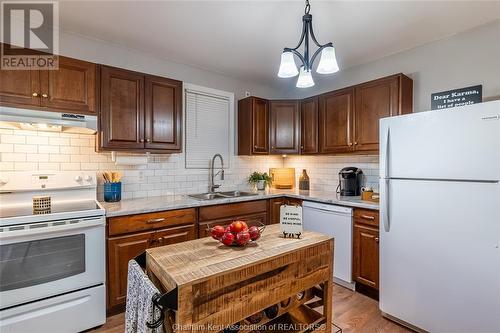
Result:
<point x="328" y="62"/>
<point x="305" y="79"/>
<point x="288" y="68"/>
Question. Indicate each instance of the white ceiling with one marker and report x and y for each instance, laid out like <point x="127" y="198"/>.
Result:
<point x="244" y="39"/>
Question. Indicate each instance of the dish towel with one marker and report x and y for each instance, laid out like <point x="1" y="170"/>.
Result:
<point x="140" y="309"/>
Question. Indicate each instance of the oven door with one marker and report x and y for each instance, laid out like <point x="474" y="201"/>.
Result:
<point x="42" y="260"/>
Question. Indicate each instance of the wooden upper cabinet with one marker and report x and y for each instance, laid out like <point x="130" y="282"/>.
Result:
<point x="284" y="127"/>
<point x="260" y="129"/>
<point x="163" y="113"/>
<point x="19" y="88"/>
<point x="335" y="114"/>
<point x="309" y="126"/>
<point x="253" y="126"/>
<point x="71" y="88"/>
<point x="386" y="97"/>
<point x="122" y="109"/>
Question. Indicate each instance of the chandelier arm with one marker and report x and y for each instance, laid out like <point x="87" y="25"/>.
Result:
<point x="297" y="54"/>
<point x="321" y="47"/>
<point x="301" y="37"/>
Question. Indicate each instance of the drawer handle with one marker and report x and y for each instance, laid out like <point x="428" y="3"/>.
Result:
<point x="158" y="220"/>
<point x="367" y="217"/>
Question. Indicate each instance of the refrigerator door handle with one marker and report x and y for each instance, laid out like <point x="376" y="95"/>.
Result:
<point x="387" y="152"/>
<point x="386" y="208"/>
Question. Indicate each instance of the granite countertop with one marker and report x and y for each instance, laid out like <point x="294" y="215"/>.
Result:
<point x="160" y="203"/>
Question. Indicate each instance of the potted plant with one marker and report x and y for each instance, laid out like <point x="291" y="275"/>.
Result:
<point x="259" y="180"/>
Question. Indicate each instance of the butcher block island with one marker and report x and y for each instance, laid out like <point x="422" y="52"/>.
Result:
<point x="274" y="284"/>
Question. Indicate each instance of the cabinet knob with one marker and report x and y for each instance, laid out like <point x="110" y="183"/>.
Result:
<point x="255" y="146"/>
<point x="355" y="143"/>
<point x="45" y="95"/>
<point x="141" y="140"/>
<point x="301" y="147"/>
<point x="376" y="239"/>
<point x="349" y="144"/>
<point x="148" y="140"/>
<point x="34" y="94"/>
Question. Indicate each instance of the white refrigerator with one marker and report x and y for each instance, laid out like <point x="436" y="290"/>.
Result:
<point x="440" y="219"/>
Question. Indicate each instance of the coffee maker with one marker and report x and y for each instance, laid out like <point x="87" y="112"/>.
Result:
<point x="350" y="180"/>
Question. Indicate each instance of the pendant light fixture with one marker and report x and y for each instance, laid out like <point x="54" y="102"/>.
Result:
<point x="327" y="63"/>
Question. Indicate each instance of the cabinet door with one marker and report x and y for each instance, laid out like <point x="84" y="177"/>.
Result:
<point x="122" y="109"/>
<point x="19" y="88"/>
<point x="274" y="209"/>
<point x="174" y="235"/>
<point x="71" y="88"/>
<point x="120" y="251"/>
<point x="309" y="126"/>
<point x="366" y="255"/>
<point x="260" y="125"/>
<point x="163" y="113"/>
<point x="256" y="219"/>
<point x="335" y="114"/>
<point x="284" y="127"/>
<point x="374" y="100"/>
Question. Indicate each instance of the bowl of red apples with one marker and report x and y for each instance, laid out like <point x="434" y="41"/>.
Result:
<point x="236" y="234"/>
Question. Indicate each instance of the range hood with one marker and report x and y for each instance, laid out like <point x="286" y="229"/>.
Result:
<point x="47" y="121"/>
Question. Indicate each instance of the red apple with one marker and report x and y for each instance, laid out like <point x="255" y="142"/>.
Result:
<point x="228" y="238"/>
<point x="227" y="229"/>
<point x="217" y="232"/>
<point x="238" y="226"/>
<point x="242" y="238"/>
<point x="254" y="233"/>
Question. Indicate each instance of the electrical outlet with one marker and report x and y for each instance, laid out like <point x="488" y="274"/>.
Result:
<point x="142" y="178"/>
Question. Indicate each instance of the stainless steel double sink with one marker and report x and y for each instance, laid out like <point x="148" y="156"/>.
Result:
<point x="221" y="195"/>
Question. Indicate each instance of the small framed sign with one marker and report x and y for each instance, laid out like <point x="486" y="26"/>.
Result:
<point x="457" y="97"/>
<point x="291" y="221"/>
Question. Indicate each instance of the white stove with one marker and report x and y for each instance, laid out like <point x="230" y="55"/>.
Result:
<point x="52" y="265"/>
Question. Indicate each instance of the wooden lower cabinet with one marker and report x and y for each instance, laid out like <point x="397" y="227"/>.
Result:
<point x="123" y="248"/>
<point x="276" y="203"/>
<point x="366" y="250"/>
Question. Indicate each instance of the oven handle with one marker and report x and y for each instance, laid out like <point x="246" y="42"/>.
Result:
<point x="85" y="224"/>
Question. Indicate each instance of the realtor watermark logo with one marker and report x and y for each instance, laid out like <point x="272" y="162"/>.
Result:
<point x="30" y="35"/>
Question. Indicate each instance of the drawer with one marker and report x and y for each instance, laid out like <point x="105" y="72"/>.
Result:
<point x="366" y="216"/>
<point x="143" y="222"/>
<point x="229" y="210"/>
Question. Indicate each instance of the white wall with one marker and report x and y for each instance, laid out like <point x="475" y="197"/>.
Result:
<point x="81" y="47"/>
<point x="468" y="58"/>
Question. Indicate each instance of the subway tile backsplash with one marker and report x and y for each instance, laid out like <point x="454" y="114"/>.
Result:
<point x="323" y="170"/>
<point x="164" y="174"/>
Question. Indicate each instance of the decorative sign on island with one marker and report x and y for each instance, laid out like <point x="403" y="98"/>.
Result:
<point x="457" y="97"/>
<point x="291" y="221"/>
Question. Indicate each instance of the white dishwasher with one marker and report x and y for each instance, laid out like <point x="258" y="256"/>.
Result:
<point x="335" y="221"/>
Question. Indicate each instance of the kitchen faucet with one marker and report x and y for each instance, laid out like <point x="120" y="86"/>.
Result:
<point x="213" y="186"/>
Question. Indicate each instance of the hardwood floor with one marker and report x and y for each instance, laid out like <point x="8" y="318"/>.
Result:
<point x="352" y="312"/>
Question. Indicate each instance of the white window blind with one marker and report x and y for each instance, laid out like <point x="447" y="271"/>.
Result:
<point x="208" y="128"/>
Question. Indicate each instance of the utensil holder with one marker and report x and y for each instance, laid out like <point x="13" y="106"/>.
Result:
<point x="112" y="192"/>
